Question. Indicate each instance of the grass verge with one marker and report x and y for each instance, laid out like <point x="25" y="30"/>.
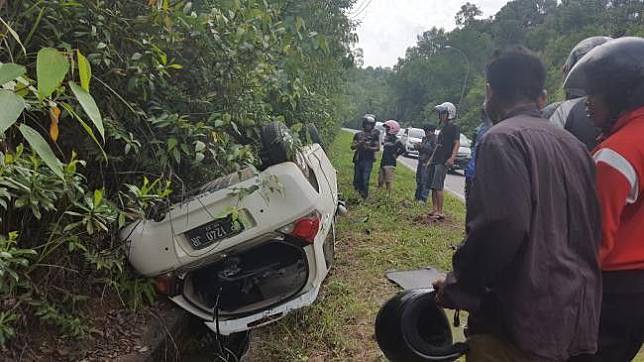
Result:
<point x="378" y="235"/>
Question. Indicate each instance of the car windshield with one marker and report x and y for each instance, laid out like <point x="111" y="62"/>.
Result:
<point x="416" y="133"/>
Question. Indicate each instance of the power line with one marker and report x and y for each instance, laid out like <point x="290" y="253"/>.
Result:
<point x="357" y="8"/>
<point x="362" y="10"/>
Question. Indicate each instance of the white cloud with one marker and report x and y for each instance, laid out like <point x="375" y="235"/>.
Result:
<point x="389" y="27"/>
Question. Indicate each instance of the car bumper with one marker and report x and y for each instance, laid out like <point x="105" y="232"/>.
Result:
<point x="411" y="151"/>
<point x="461" y="163"/>
<point x="227" y="327"/>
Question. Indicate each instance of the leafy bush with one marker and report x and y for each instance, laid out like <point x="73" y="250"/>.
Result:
<point x="113" y="107"/>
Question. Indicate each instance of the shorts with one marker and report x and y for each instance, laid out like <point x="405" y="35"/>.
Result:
<point x="386" y="174"/>
<point x="437" y="174"/>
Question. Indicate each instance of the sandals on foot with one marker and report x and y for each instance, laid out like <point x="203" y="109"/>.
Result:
<point x="438" y="217"/>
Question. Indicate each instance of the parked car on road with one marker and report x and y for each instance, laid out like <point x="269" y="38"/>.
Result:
<point x="380" y="126"/>
<point x="410" y="138"/>
<point x="243" y="262"/>
<point x="464" y="153"/>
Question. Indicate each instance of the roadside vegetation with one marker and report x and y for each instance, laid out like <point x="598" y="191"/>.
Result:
<point x="431" y="73"/>
<point x="387" y="232"/>
<point x="111" y="110"/>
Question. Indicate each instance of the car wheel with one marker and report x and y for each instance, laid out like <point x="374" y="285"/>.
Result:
<point x="275" y="149"/>
<point x="410" y="327"/>
<point x="314" y="135"/>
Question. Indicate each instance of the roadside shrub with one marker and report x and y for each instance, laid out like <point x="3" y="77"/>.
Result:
<point x="112" y="108"/>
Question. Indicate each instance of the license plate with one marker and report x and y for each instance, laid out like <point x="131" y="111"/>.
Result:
<point x="214" y="231"/>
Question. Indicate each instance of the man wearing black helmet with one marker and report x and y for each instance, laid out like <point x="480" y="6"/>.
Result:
<point x="365" y="144"/>
<point x="571" y="113"/>
<point x="527" y="271"/>
<point x="613" y="77"/>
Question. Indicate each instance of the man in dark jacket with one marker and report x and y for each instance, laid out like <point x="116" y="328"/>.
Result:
<point x="527" y="271"/>
<point x="365" y="144"/>
<point x="571" y="113"/>
<point x="425" y="149"/>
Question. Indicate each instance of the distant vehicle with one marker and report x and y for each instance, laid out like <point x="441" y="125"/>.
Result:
<point x="380" y="126"/>
<point x="410" y="138"/>
<point x="464" y="153"/>
<point x="400" y="133"/>
<point x="243" y="263"/>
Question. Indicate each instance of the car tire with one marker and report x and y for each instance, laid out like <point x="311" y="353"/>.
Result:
<point x="314" y="135"/>
<point x="275" y="149"/>
<point x="411" y="328"/>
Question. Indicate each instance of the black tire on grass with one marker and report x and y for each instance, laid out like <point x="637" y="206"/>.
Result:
<point x="314" y="135"/>
<point x="274" y="148"/>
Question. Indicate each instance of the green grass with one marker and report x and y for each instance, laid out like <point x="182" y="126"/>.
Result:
<point x="378" y="235"/>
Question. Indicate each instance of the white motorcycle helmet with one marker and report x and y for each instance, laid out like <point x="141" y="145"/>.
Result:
<point x="448" y="108"/>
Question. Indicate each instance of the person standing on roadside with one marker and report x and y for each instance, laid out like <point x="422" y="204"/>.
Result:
<point x="571" y="113"/>
<point x="365" y="144"/>
<point x="425" y="149"/>
<point x="613" y="77"/>
<point x="470" y="168"/>
<point x="527" y="271"/>
<point x="443" y="157"/>
<point x="391" y="149"/>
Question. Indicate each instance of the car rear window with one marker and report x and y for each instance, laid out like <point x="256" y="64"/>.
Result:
<point x="416" y="133"/>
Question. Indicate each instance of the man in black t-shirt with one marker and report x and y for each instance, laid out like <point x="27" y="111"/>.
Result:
<point x="365" y="144"/>
<point x="444" y="156"/>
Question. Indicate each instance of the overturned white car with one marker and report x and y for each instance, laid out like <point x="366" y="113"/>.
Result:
<point x="243" y="262"/>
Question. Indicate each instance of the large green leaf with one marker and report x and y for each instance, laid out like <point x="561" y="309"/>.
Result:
<point x="10" y="71"/>
<point x="51" y="68"/>
<point x="89" y="105"/>
<point x="84" y="70"/>
<point x="11" y="106"/>
<point x="41" y="147"/>
<point x="14" y="35"/>
<point x="85" y="126"/>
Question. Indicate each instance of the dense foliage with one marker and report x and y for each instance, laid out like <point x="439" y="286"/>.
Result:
<point x="111" y="107"/>
<point x="431" y="72"/>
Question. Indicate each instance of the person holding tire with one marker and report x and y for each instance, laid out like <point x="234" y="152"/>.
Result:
<point x="612" y="75"/>
<point x="365" y="144"/>
<point x="528" y="271"/>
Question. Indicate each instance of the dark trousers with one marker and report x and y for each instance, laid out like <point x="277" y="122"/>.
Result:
<point x="361" y="176"/>
<point x="621" y="325"/>
<point x="422" y="182"/>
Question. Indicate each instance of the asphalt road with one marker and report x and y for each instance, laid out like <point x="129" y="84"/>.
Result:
<point x="454" y="183"/>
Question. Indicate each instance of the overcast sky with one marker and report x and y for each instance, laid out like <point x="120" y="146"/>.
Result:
<point x="389" y="27"/>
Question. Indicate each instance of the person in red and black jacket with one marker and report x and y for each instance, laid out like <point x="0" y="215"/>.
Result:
<point x="613" y="77"/>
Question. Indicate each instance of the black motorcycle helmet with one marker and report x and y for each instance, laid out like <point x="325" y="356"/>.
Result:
<point x="411" y="327"/>
<point x="614" y="71"/>
<point x="582" y="48"/>
<point x="368" y="119"/>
